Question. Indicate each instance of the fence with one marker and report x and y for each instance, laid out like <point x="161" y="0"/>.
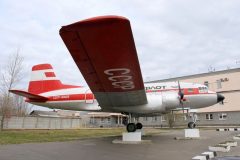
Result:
<point x="42" y="123"/>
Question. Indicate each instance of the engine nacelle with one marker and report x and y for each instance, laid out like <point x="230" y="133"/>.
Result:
<point x="158" y="102"/>
<point x="170" y="100"/>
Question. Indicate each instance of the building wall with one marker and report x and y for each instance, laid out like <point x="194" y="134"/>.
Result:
<point x="231" y="119"/>
<point x="230" y="103"/>
<point x="151" y="121"/>
<point x="229" y="81"/>
<point x="42" y="123"/>
<point x="110" y="121"/>
<point x="229" y="87"/>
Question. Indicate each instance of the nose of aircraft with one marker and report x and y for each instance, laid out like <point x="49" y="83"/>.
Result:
<point x="220" y="97"/>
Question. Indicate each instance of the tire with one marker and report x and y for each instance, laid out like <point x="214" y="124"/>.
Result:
<point x="191" y="125"/>
<point x="131" y="127"/>
<point x="139" y="125"/>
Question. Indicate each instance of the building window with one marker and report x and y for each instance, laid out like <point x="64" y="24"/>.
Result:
<point x="102" y="120"/>
<point x="206" y="83"/>
<point x="163" y="118"/>
<point x="223" y="116"/>
<point x="91" y="120"/>
<point x="145" y="118"/>
<point x="109" y="120"/>
<point x="154" y="119"/>
<point x="209" y="116"/>
<point x="219" y="84"/>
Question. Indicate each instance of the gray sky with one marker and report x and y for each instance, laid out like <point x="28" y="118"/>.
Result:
<point x="173" y="37"/>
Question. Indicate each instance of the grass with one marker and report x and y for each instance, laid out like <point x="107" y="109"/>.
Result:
<point x="31" y="136"/>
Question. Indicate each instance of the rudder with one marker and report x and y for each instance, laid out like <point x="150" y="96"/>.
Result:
<point x="43" y="79"/>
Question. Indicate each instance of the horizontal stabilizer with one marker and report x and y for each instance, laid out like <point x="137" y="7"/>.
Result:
<point x="29" y="95"/>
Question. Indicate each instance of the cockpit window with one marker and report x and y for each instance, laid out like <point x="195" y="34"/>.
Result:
<point x="203" y="89"/>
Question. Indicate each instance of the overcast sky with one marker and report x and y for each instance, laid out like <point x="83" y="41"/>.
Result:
<point x="173" y="37"/>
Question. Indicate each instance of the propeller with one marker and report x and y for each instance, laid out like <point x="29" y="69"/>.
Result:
<point x="181" y="96"/>
<point x="180" y="93"/>
<point x="220" y="98"/>
<point x="223" y="102"/>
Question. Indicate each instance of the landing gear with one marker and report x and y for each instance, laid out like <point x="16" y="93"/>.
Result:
<point x="139" y="125"/>
<point x="131" y="127"/>
<point x="193" y="120"/>
<point x="191" y="125"/>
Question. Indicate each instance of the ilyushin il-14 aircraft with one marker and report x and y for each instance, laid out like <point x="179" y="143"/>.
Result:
<point x="104" y="51"/>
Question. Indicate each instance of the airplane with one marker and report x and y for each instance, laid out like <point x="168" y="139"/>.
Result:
<point x="104" y="51"/>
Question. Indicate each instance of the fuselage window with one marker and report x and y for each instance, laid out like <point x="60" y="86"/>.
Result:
<point x="190" y="90"/>
<point x="203" y="89"/>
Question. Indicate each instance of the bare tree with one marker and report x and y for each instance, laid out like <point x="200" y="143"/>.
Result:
<point x="21" y="108"/>
<point x="10" y="76"/>
<point x="170" y="120"/>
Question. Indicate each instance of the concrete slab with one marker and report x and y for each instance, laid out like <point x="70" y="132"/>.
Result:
<point x="132" y="137"/>
<point x="118" y="141"/>
<point x="192" y="133"/>
<point x="219" y="148"/>
<point x="163" y="147"/>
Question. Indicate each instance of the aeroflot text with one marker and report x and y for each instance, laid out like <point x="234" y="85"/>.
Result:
<point x="155" y="88"/>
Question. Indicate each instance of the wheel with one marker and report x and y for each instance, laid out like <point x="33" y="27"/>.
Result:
<point x="191" y="125"/>
<point x="139" y="125"/>
<point x="131" y="127"/>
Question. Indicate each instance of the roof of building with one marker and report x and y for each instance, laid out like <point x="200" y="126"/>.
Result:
<point x="105" y="114"/>
<point x="44" y="113"/>
<point x="55" y="113"/>
<point x="212" y="73"/>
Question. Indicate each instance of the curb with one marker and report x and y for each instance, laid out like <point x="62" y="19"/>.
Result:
<point x="205" y="156"/>
<point x="228" y="129"/>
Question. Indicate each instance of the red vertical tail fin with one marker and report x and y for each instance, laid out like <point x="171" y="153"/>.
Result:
<point x="43" y="79"/>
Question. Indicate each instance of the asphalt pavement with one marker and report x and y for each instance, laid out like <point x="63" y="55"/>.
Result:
<point x="163" y="147"/>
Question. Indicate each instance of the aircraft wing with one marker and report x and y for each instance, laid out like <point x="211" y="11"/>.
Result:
<point x="103" y="49"/>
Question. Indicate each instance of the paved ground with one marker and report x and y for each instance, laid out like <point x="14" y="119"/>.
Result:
<point x="163" y="147"/>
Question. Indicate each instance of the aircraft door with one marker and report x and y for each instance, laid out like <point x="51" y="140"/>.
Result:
<point x="89" y="97"/>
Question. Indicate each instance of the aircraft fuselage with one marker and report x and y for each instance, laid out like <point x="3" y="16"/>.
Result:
<point x="161" y="97"/>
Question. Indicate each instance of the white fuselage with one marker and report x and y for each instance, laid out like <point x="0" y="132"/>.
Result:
<point x="161" y="97"/>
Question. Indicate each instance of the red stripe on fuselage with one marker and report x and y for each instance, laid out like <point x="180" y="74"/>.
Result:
<point x="71" y="97"/>
<point x="186" y="91"/>
<point x="90" y="96"/>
